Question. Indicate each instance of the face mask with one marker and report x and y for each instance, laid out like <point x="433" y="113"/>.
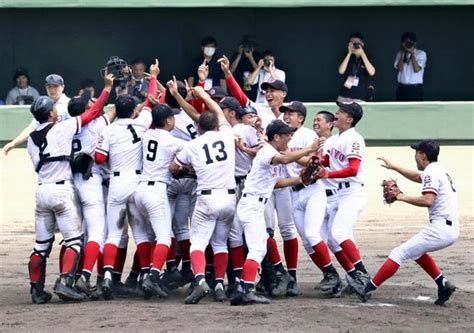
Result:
<point x="209" y="51"/>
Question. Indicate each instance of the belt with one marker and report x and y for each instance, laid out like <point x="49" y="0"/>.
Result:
<point x="153" y="182"/>
<point x="117" y="173"/>
<point x="347" y="185"/>
<point x="61" y="182"/>
<point x="240" y="179"/>
<point x="448" y="222"/>
<point x="330" y="192"/>
<point x="411" y="85"/>
<point x="301" y="186"/>
<point x="208" y="192"/>
<point x="185" y="176"/>
<point x="261" y="199"/>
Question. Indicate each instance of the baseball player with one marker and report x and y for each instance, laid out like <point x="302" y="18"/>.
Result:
<point x="309" y="202"/>
<point x="159" y="149"/>
<point x="120" y="143"/>
<point x="54" y="85"/>
<point x="265" y="174"/>
<point x="49" y="147"/>
<point x="346" y="166"/>
<point x="212" y="156"/>
<point x="88" y="179"/>
<point x="275" y="93"/>
<point x="181" y="191"/>
<point x="323" y="124"/>
<point x="438" y="194"/>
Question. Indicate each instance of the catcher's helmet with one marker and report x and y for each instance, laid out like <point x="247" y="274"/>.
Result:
<point x="120" y="69"/>
<point x="41" y="108"/>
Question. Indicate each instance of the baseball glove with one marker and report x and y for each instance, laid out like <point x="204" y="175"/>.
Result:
<point x="308" y="174"/>
<point x="390" y="190"/>
<point x="83" y="164"/>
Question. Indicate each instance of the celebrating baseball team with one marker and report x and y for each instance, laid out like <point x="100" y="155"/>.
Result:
<point x="201" y="178"/>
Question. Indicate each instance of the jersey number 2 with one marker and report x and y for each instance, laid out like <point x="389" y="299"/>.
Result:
<point x="222" y="156"/>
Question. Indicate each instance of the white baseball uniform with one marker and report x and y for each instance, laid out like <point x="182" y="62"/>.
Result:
<point x="281" y="198"/>
<point x="212" y="155"/>
<point x="55" y="196"/>
<point x="121" y="142"/>
<point x="90" y="191"/>
<point x="309" y="202"/>
<point x="443" y="228"/>
<point x="159" y="149"/>
<point x="351" y="195"/>
<point x="243" y="164"/>
<point x="258" y="188"/>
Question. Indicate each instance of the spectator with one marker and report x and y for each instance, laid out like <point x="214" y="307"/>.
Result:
<point x="410" y="63"/>
<point x="139" y="83"/>
<point x="55" y="89"/>
<point x="215" y="76"/>
<point x="22" y="93"/>
<point x="355" y="69"/>
<point x="87" y="84"/>
<point x="244" y="62"/>
<point x="265" y="72"/>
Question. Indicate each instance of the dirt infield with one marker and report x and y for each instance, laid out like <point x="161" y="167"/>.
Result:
<point x="404" y="303"/>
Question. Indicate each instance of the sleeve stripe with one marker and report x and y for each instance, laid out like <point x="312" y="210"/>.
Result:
<point x="78" y="124"/>
<point x="429" y="191"/>
<point x="354" y="156"/>
<point x="101" y="151"/>
<point x="106" y="120"/>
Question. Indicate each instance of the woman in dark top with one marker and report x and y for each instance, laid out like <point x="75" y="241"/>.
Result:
<point x="355" y="69"/>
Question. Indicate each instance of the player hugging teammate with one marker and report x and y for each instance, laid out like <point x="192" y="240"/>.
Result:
<point x="197" y="176"/>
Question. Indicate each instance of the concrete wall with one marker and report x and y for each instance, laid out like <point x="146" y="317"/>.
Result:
<point x="308" y="43"/>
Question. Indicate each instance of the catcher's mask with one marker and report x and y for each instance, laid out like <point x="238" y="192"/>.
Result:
<point x="120" y="69"/>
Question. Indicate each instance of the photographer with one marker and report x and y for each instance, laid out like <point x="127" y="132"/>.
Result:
<point x="139" y="83"/>
<point x="265" y="72"/>
<point x="22" y="93"/>
<point x="244" y="62"/>
<point x="356" y="69"/>
<point x="410" y="63"/>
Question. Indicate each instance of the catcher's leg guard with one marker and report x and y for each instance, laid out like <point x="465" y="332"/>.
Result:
<point x="72" y="256"/>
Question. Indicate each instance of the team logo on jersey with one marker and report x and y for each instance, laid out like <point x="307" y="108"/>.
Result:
<point x="337" y="154"/>
<point x="356" y="148"/>
<point x="427" y="180"/>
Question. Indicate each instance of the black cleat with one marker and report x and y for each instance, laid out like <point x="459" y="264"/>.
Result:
<point x="154" y="288"/>
<point x="171" y="279"/>
<point x="220" y="295"/>
<point x="358" y="286"/>
<point x="84" y="287"/>
<point x="292" y="289"/>
<point x="107" y="289"/>
<point x="329" y="282"/>
<point x="186" y="277"/>
<point x="68" y="293"/>
<point x="444" y="293"/>
<point x="198" y="293"/>
<point x="251" y="298"/>
<point x="39" y="295"/>
<point x="282" y="284"/>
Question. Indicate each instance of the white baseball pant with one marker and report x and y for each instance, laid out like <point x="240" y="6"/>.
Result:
<point x="436" y="236"/>
<point x="212" y="220"/>
<point x="281" y="201"/>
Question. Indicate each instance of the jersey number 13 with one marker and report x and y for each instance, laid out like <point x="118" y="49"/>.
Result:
<point x="220" y="147"/>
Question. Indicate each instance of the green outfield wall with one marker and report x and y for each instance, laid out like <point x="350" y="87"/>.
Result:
<point x="382" y="124"/>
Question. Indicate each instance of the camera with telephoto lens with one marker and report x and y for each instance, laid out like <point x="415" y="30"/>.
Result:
<point x="267" y="62"/>
<point x="356" y="45"/>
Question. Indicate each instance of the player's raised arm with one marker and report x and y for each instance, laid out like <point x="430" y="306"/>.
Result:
<point x="412" y="175"/>
<point x="188" y="108"/>
<point x="211" y="104"/>
<point x="153" y="85"/>
<point x="232" y="84"/>
<point x="97" y="107"/>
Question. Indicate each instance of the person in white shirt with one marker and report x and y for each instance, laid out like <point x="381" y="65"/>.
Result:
<point x="54" y="84"/>
<point x="309" y="202"/>
<point x="22" y="93"/>
<point x="159" y="149"/>
<point x="212" y="156"/>
<point x="88" y="179"/>
<point x="345" y="161"/>
<point x="439" y="195"/>
<point x="323" y="125"/>
<point x="121" y="144"/>
<point x="49" y="147"/>
<point x="266" y="173"/>
<point x="265" y="72"/>
<point x="410" y="62"/>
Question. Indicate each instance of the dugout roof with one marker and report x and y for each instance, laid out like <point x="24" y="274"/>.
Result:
<point x="222" y="3"/>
